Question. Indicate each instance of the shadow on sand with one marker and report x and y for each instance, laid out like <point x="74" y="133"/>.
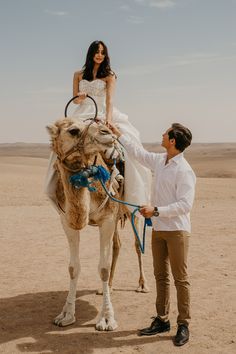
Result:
<point x="29" y="317"/>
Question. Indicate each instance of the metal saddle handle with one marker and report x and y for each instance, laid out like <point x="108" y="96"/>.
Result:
<point x="72" y="99"/>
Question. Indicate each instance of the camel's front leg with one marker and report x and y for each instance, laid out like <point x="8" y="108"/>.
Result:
<point x="106" y="320"/>
<point x="67" y="316"/>
<point x="115" y="253"/>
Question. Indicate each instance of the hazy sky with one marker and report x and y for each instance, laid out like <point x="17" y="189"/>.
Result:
<point x="175" y="61"/>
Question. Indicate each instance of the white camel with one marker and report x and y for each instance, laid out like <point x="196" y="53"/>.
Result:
<point x="77" y="146"/>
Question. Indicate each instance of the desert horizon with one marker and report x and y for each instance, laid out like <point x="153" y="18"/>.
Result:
<point x="207" y="159"/>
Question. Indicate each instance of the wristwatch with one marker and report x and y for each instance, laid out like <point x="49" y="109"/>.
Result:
<point x="155" y="212"/>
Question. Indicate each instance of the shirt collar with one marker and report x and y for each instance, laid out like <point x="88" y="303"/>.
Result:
<point x="176" y="158"/>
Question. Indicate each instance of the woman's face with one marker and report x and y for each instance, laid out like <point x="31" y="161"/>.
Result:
<point x="100" y="55"/>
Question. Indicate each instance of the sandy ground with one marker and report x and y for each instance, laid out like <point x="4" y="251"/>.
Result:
<point x="34" y="278"/>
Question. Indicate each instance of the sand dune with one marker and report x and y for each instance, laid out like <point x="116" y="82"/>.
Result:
<point x="34" y="259"/>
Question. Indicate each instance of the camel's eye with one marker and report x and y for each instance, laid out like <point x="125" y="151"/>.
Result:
<point x="74" y="131"/>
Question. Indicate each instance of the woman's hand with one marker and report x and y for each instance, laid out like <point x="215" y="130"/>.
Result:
<point x="146" y="211"/>
<point x="80" y="98"/>
<point x="82" y="95"/>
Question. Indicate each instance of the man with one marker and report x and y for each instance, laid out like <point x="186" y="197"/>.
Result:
<point x="172" y="199"/>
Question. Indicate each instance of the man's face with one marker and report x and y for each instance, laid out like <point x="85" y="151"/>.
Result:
<point x="166" y="142"/>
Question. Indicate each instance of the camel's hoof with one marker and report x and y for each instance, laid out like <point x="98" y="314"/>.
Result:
<point x="142" y="289"/>
<point x="101" y="325"/>
<point x="106" y="325"/>
<point x="64" y="320"/>
<point x="111" y="325"/>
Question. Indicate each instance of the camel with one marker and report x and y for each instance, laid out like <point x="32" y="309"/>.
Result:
<point x="79" y="145"/>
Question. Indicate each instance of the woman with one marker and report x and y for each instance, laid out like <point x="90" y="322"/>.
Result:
<point x="86" y="81"/>
<point x="97" y="80"/>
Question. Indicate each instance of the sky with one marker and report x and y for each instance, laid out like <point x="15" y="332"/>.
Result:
<point x="175" y="61"/>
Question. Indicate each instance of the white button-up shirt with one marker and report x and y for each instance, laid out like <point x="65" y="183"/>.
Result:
<point x="173" y="186"/>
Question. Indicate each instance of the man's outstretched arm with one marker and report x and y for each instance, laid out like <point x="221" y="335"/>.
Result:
<point x="146" y="158"/>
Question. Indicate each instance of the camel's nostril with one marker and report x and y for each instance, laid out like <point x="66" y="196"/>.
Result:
<point x="104" y="131"/>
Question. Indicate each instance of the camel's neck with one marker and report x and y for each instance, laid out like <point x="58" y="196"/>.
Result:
<point x="80" y="202"/>
<point x="77" y="201"/>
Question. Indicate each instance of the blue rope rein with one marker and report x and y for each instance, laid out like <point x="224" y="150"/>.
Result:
<point x="99" y="173"/>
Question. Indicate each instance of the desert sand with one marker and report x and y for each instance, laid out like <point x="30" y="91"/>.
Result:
<point x="34" y="258"/>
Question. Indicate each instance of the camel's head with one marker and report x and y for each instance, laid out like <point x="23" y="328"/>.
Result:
<point x="74" y="139"/>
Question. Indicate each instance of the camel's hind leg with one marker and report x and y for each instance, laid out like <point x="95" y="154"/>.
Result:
<point x="106" y="320"/>
<point x="67" y="316"/>
<point x="142" y="279"/>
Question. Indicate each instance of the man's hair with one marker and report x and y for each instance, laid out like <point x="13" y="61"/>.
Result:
<point x="182" y="136"/>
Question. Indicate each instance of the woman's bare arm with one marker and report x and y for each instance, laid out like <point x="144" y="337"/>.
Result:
<point x="76" y="79"/>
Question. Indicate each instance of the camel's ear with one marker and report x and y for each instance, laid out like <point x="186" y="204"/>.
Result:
<point x="52" y="130"/>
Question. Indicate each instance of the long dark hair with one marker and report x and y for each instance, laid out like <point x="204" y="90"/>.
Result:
<point x="104" y="69"/>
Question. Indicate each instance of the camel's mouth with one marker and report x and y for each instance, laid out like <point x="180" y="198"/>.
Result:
<point x="106" y="139"/>
<point x="73" y="163"/>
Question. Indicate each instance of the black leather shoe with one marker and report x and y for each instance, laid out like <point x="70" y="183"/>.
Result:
<point x="182" y="335"/>
<point x="157" y="326"/>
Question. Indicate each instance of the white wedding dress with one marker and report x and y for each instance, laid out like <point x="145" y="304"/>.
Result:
<point x="137" y="177"/>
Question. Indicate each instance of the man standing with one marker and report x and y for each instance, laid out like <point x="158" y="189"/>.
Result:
<point x="172" y="199"/>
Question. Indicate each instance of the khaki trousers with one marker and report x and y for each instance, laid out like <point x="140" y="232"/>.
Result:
<point x="171" y="248"/>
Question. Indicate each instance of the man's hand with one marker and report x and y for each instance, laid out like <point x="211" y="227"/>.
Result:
<point x="146" y="211"/>
<point x="114" y="129"/>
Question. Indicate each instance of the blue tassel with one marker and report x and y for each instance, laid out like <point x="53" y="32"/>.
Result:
<point x="81" y="179"/>
<point x="102" y="174"/>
